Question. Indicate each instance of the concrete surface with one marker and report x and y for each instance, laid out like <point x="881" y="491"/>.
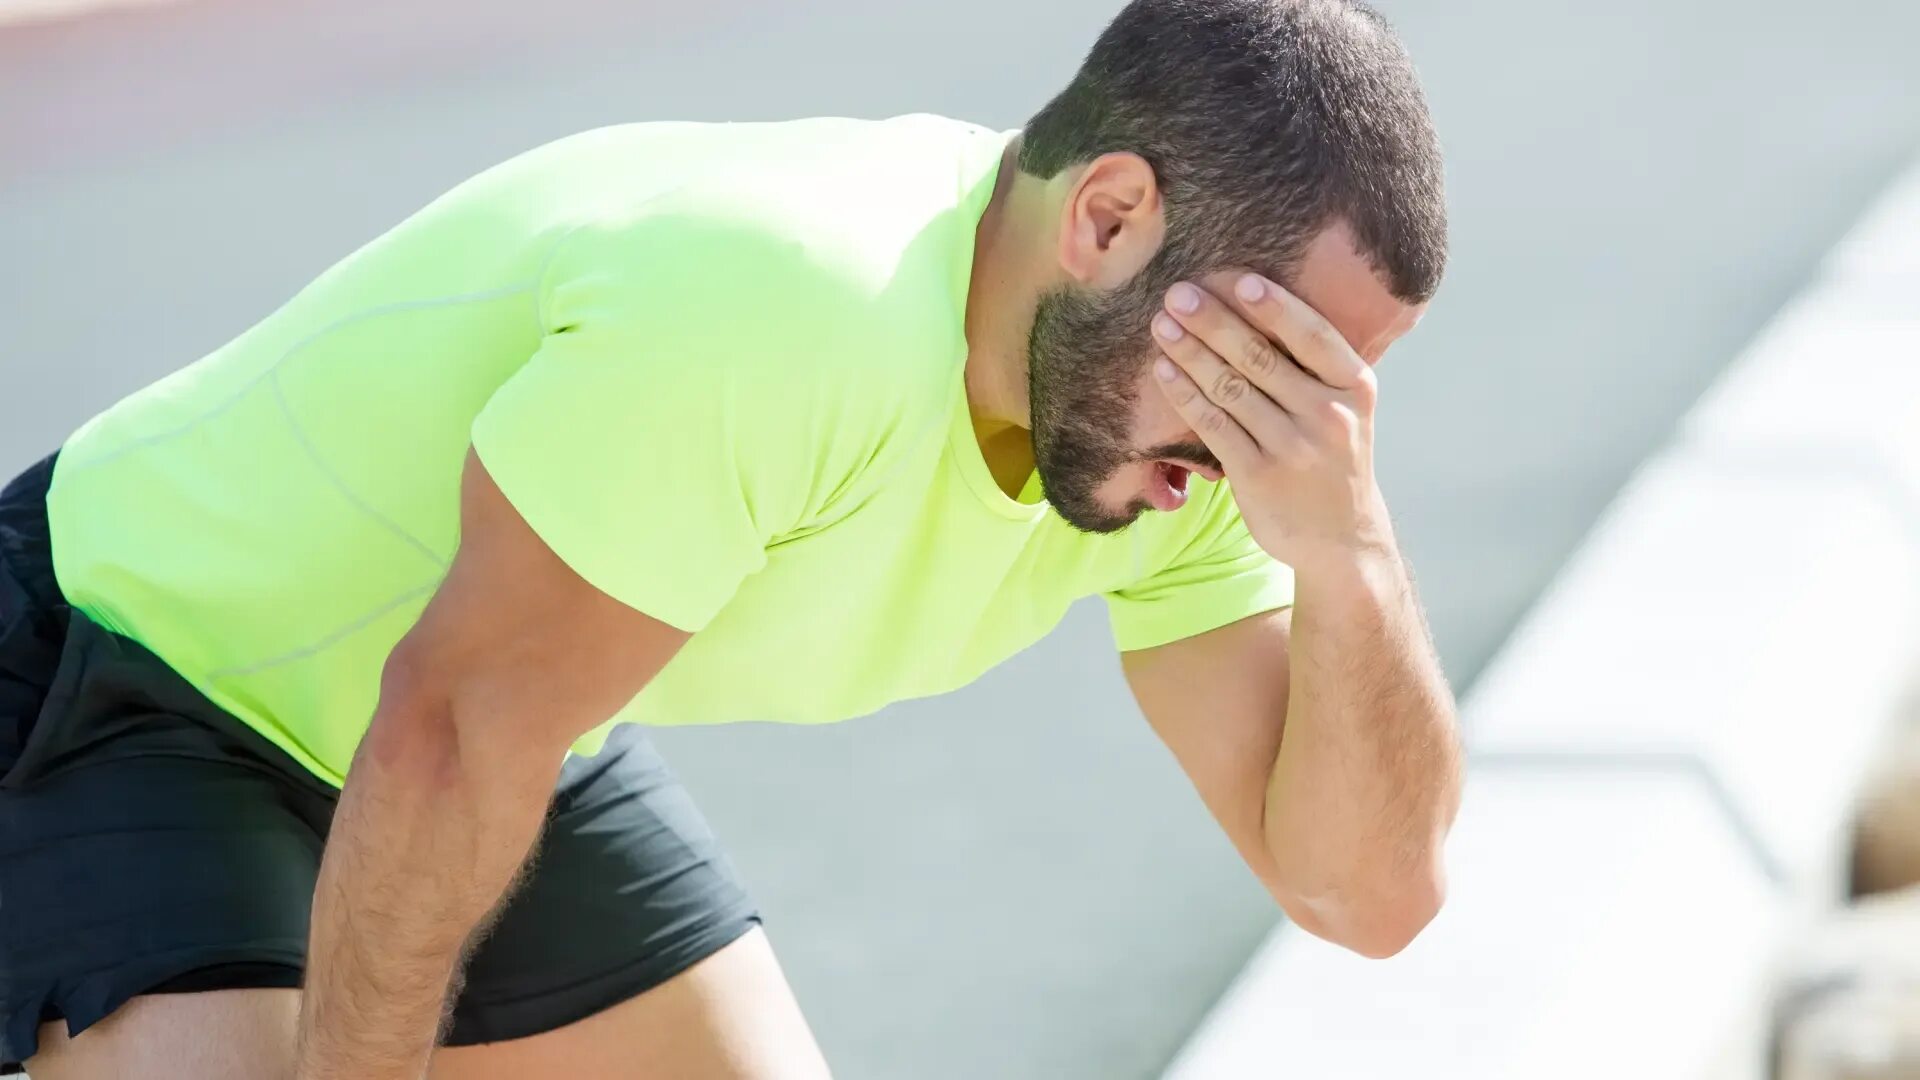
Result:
<point x="1524" y="976"/>
<point x="1013" y="881"/>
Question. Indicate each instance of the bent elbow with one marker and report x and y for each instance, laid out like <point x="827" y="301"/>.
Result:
<point x="411" y="730"/>
<point x="1395" y="923"/>
<point x="1377" y="921"/>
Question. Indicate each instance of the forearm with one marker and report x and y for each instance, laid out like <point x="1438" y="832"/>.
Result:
<point x="430" y="830"/>
<point x="1367" y="778"/>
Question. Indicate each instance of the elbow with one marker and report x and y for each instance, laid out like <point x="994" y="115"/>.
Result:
<point x="1386" y="926"/>
<point x="412" y="730"/>
<point x="1374" y="915"/>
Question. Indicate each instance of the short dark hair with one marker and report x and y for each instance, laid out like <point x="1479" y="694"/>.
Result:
<point x="1265" y="121"/>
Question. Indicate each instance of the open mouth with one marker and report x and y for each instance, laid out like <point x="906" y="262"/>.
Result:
<point x="1167" y="489"/>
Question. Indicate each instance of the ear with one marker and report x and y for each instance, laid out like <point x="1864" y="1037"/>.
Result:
<point x="1111" y="221"/>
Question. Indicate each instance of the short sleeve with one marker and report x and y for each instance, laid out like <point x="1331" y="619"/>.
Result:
<point x="642" y="442"/>
<point x="1215" y="574"/>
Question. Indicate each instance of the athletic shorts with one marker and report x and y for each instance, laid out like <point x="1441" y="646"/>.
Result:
<point x="152" y="843"/>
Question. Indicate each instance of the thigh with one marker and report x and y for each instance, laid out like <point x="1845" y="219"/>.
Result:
<point x="149" y="845"/>
<point x="122" y="875"/>
<point x="630" y="911"/>
<point x="216" y="1035"/>
<point x="729" y="1017"/>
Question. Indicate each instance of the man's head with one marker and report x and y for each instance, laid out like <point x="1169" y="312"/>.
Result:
<point x="1288" y="137"/>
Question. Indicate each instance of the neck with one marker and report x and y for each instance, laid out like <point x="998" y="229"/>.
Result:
<point x="1001" y="298"/>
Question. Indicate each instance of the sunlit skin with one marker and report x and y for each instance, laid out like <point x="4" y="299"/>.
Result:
<point x="1334" y="279"/>
<point x="1343" y="820"/>
<point x="1096" y="226"/>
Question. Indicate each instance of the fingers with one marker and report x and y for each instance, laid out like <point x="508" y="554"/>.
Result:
<point x="1207" y="318"/>
<point x="1222" y="383"/>
<point x="1314" y="342"/>
<point x="1216" y="427"/>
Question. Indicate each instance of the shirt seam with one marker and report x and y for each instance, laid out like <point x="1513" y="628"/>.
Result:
<point x="270" y="371"/>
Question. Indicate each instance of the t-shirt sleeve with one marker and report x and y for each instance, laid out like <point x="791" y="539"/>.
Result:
<point x="1216" y="575"/>
<point x="648" y="442"/>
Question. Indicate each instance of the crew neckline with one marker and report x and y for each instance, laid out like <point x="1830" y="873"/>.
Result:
<point x="972" y="465"/>
<point x="962" y="443"/>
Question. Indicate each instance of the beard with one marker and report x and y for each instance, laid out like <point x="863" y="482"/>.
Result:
<point x="1084" y="359"/>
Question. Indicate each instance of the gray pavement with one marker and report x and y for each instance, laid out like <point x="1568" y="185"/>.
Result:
<point x="1012" y="881"/>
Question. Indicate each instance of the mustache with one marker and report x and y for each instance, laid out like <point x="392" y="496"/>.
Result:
<point x="1194" y="452"/>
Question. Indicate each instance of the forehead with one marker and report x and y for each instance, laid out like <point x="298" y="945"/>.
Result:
<point x="1338" y="282"/>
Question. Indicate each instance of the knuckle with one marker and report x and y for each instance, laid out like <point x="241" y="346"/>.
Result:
<point x="1344" y="420"/>
<point x="1366" y="389"/>
<point x="1229" y="386"/>
<point x="1326" y="339"/>
<point x="1214" y="420"/>
<point x="1259" y="358"/>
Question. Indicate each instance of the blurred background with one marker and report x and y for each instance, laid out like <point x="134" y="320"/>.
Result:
<point x="1013" y="881"/>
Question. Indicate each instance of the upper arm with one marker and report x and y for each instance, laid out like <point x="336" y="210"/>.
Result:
<point x="1218" y="700"/>
<point x="623" y="481"/>
<point x="680" y="415"/>
<point x="516" y="642"/>
<point x="1204" y="643"/>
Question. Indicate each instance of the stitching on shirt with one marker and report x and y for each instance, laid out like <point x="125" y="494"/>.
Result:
<point x="326" y="641"/>
<point x="313" y="454"/>
<point x="69" y="468"/>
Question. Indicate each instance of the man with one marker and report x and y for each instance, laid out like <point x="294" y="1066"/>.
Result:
<point x="673" y="423"/>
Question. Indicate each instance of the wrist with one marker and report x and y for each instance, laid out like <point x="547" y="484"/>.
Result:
<point x="1365" y="541"/>
<point x="1370" y="571"/>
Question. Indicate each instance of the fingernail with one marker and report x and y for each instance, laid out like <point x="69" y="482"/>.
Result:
<point x="1184" y="298"/>
<point x="1163" y="367"/>
<point x="1167" y="328"/>
<point x="1250" y="287"/>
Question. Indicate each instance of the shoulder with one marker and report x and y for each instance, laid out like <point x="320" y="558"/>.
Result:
<point x="811" y="277"/>
<point x="853" y="227"/>
<point x="695" y="288"/>
<point x="825" y="257"/>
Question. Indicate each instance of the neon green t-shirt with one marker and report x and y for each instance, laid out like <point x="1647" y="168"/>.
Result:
<point x="717" y="368"/>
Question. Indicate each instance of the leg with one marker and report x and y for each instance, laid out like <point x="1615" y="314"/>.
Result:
<point x="126" y="877"/>
<point x="155" y="871"/>
<point x="729" y="1017"/>
<point x="217" y="1035"/>
<point x="147" y="863"/>
<point x="632" y="951"/>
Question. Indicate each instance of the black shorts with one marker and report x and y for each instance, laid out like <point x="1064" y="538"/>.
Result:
<point x="152" y="843"/>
